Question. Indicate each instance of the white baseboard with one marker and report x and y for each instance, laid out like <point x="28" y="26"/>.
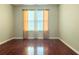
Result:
<point x="18" y="37"/>
<point x="22" y="38"/>
<point x="30" y="37"/>
<point x="38" y="38"/>
<point x="34" y="38"/>
<point x="6" y="40"/>
<point x="69" y="46"/>
<point x="53" y="37"/>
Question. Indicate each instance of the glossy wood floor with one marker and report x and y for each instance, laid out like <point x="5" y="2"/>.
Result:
<point x="35" y="47"/>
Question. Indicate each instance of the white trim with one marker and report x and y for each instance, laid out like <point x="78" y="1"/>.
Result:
<point x="53" y="37"/>
<point x="6" y="40"/>
<point x="34" y="38"/>
<point x="30" y="37"/>
<point x="69" y="46"/>
<point x="18" y="37"/>
<point x="38" y="38"/>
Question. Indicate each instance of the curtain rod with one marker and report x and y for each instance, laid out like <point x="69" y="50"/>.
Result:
<point x="35" y="9"/>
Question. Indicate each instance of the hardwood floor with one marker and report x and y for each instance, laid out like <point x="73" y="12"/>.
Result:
<point x="36" y="47"/>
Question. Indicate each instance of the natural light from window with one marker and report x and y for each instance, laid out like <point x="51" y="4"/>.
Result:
<point x="35" y="20"/>
<point x="30" y="50"/>
<point x="40" y="50"/>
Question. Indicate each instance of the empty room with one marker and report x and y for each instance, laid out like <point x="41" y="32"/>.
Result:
<point x="39" y="29"/>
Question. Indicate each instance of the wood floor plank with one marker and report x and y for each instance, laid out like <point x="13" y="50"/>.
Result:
<point x="36" y="47"/>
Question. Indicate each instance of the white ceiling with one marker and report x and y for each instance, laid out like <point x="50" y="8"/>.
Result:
<point x="32" y="4"/>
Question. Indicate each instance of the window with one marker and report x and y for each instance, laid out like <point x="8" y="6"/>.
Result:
<point x="39" y="15"/>
<point x="31" y="20"/>
<point x="35" y="20"/>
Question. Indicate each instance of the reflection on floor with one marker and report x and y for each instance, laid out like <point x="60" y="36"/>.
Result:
<point x="30" y="50"/>
<point x="39" y="50"/>
<point x="35" y="47"/>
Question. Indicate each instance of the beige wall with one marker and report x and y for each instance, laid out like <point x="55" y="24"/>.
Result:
<point x="53" y="19"/>
<point x="6" y="22"/>
<point x="69" y="25"/>
<point x="68" y="22"/>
